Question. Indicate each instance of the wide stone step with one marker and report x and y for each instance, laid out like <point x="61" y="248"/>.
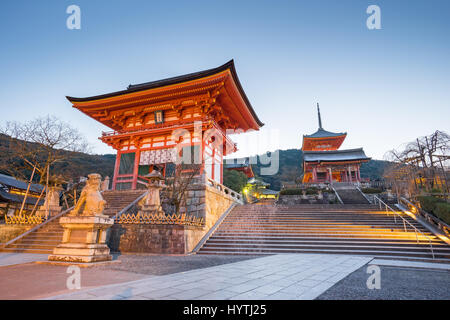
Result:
<point x="260" y="241"/>
<point x="295" y="239"/>
<point x="374" y="247"/>
<point x="327" y="229"/>
<point x="368" y="251"/>
<point x="316" y="222"/>
<point x="27" y="250"/>
<point x="329" y="235"/>
<point x="421" y="259"/>
<point x="43" y="246"/>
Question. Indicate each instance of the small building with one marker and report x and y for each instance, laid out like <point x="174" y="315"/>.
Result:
<point x="323" y="162"/>
<point x="258" y="189"/>
<point x="12" y="193"/>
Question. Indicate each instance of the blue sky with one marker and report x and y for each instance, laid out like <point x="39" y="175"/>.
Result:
<point x="383" y="87"/>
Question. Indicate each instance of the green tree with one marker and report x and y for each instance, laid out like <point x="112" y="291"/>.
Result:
<point x="234" y="180"/>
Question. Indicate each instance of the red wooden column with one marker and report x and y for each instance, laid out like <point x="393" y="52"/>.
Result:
<point x="330" y="172"/>
<point x="314" y="175"/>
<point x="116" y="170"/>
<point x="137" y="156"/>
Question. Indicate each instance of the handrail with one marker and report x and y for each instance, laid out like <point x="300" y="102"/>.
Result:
<point x="429" y="217"/>
<point x="364" y="195"/>
<point x="36" y="227"/>
<point x="130" y="205"/>
<point x="337" y="195"/>
<point x="380" y="202"/>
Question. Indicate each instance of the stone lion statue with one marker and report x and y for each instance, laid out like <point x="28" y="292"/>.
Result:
<point x="91" y="198"/>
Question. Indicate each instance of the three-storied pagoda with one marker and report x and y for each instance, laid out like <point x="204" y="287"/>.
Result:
<point x="155" y="122"/>
<point x="323" y="162"/>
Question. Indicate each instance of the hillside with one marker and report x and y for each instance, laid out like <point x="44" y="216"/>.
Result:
<point x="81" y="164"/>
<point x="77" y="164"/>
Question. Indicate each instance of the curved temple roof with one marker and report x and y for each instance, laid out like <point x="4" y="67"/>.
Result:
<point x="321" y="133"/>
<point x="95" y="102"/>
<point x="335" y="155"/>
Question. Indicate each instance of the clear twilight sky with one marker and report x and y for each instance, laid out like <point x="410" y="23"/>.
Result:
<point x="383" y="87"/>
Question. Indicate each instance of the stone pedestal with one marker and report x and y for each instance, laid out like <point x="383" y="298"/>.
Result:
<point x="84" y="239"/>
<point x="51" y="205"/>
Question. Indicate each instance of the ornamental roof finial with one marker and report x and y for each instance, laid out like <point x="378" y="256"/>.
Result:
<point x="320" y="119"/>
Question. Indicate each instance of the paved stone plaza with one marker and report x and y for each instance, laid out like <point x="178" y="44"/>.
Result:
<point x="286" y="277"/>
<point x="163" y="277"/>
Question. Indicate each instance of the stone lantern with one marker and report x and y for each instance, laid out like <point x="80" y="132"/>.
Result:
<point x="152" y="201"/>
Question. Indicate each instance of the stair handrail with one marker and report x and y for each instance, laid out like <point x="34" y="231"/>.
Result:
<point x="20" y="236"/>
<point x="364" y="195"/>
<point x="117" y="216"/>
<point x="337" y="195"/>
<point x="381" y="202"/>
<point x="441" y="225"/>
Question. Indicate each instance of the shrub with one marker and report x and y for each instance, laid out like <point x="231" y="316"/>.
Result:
<point x="298" y="191"/>
<point x="291" y="192"/>
<point x="436" y="206"/>
<point x="312" y="190"/>
<point x="371" y="190"/>
<point x="442" y="211"/>
<point x="428" y="203"/>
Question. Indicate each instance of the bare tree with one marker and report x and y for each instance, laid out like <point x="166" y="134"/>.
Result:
<point x="178" y="186"/>
<point x="39" y="144"/>
<point x="421" y="164"/>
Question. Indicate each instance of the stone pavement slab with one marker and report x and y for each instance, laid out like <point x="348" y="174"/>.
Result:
<point x="283" y="276"/>
<point x="410" y="264"/>
<point x="9" y="259"/>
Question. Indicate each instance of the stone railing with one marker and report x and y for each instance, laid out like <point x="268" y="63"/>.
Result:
<point x="233" y="194"/>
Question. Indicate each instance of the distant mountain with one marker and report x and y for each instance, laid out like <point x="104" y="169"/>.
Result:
<point x="290" y="168"/>
<point x="77" y="164"/>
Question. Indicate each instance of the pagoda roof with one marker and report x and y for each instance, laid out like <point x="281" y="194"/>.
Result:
<point x="335" y="155"/>
<point x="322" y="139"/>
<point x="321" y="133"/>
<point x="136" y="95"/>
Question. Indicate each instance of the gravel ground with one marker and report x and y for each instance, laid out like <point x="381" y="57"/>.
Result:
<point x="163" y="264"/>
<point x="397" y="283"/>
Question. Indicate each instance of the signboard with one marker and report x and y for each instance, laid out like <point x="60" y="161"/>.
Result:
<point x="159" y="117"/>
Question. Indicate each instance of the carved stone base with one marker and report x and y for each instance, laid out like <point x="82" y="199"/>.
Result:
<point x="83" y="240"/>
<point x="53" y="211"/>
<point x="150" y="209"/>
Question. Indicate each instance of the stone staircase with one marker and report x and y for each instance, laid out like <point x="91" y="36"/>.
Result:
<point x="338" y="229"/>
<point x="117" y="200"/>
<point x="351" y="196"/>
<point x="46" y="238"/>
